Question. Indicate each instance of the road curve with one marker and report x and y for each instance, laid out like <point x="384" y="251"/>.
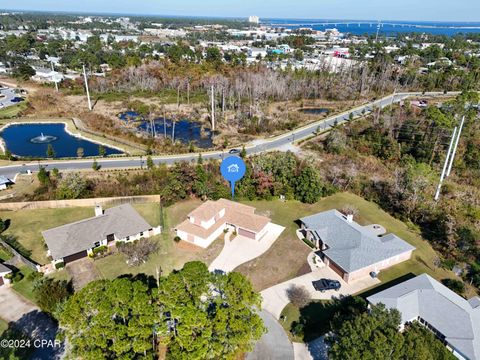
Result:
<point x="264" y="145"/>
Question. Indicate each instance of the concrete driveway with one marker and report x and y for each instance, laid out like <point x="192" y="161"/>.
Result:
<point x="13" y="306"/>
<point x="26" y="317"/>
<point x="275" y="298"/>
<point x="274" y="345"/>
<point x="242" y="249"/>
<point x="82" y="271"/>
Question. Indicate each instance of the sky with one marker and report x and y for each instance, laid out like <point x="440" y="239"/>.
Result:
<point x="421" y="10"/>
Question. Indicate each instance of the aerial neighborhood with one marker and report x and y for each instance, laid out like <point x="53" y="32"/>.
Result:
<point x="239" y="186"/>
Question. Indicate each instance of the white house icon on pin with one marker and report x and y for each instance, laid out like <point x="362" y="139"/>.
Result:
<point x="233" y="168"/>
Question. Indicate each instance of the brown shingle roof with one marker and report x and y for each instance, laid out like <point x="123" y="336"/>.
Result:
<point x="240" y="215"/>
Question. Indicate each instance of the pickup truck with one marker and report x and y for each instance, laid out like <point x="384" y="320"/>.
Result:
<point x="326" y="284"/>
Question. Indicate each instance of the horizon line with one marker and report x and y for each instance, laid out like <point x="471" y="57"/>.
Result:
<point x="222" y="17"/>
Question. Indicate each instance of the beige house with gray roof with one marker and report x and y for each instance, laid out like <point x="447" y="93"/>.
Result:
<point x="77" y="240"/>
<point x="453" y="319"/>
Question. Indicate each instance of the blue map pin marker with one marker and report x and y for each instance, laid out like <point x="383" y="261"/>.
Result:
<point x="233" y="169"/>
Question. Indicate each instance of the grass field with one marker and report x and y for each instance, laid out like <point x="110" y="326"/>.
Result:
<point x="12" y="111"/>
<point x="3" y="326"/>
<point x="25" y="286"/>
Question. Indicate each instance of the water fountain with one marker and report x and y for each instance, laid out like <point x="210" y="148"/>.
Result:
<point x="43" y="139"/>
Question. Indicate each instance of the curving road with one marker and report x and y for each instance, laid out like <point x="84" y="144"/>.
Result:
<point x="6" y="96"/>
<point x="257" y="147"/>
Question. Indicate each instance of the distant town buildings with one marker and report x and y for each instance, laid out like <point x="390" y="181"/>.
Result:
<point x="254" y="19"/>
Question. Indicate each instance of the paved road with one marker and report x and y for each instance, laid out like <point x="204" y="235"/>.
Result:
<point x="274" y="345"/>
<point x="257" y="147"/>
<point x="6" y="95"/>
<point x="28" y="318"/>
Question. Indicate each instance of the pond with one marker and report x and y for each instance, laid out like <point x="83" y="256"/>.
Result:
<point x="32" y="140"/>
<point x="185" y="130"/>
<point x="315" y="111"/>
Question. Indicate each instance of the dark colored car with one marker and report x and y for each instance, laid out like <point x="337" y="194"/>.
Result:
<point x="16" y="99"/>
<point x="326" y="284"/>
<point x="234" y="151"/>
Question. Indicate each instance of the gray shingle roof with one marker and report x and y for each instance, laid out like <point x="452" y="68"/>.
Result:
<point x="456" y="318"/>
<point x="4" y="269"/>
<point x="350" y="245"/>
<point x="72" y="238"/>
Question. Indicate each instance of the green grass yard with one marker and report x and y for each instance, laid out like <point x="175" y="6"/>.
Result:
<point x="3" y="326"/>
<point x="12" y="111"/>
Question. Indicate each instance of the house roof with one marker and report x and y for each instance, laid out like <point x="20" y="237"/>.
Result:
<point x="235" y="213"/>
<point x="4" y="180"/>
<point x="350" y="245"/>
<point x="456" y="318"/>
<point x="4" y="269"/>
<point x="72" y="238"/>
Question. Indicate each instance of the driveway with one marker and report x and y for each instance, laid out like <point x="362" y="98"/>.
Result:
<point x="13" y="306"/>
<point x="242" y="249"/>
<point x="314" y="350"/>
<point x="274" y="345"/>
<point x="275" y="298"/>
<point x="26" y="317"/>
<point x="82" y="272"/>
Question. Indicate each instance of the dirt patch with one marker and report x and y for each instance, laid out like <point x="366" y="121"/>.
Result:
<point x="82" y="272"/>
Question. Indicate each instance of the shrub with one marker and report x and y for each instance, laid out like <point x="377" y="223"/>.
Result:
<point x="454" y="285"/>
<point x="139" y="251"/>
<point x="60" y="265"/>
<point x="177" y="239"/>
<point x="309" y="243"/>
<point x="100" y="250"/>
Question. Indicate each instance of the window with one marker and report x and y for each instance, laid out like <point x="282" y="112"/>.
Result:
<point x="141" y="233"/>
<point x="128" y="238"/>
<point x="97" y="243"/>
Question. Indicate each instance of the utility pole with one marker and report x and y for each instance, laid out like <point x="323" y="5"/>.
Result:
<point x="54" y="79"/>
<point x="455" y="147"/>
<point x="213" y="109"/>
<point x="442" y="176"/>
<point x="86" y="88"/>
<point x="173" y="131"/>
<point x="378" y="29"/>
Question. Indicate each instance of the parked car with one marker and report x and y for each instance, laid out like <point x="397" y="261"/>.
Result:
<point x="326" y="284"/>
<point x="17" y="99"/>
<point x="234" y="151"/>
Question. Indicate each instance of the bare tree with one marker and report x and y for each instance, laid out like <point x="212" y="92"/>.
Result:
<point x="298" y="295"/>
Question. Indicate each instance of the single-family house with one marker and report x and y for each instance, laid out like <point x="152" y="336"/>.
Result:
<point x="5" y="182"/>
<point x="351" y="250"/>
<point x="77" y="240"/>
<point x="209" y="220"/>
<point x="4" y="271"/>
<point x="453" y="319"/>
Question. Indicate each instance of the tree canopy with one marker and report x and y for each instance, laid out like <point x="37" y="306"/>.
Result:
<point x="376" y="335"/>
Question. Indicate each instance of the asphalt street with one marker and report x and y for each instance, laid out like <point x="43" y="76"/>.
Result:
<point x="6" y="96"/>
<point x="260" y="146"/>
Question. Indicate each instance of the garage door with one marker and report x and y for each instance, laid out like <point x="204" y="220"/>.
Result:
<point x="246" y="233"/>
<point x="1" y="281"/>
<point x="74" y="257"/>
<point x="336" y="268"/>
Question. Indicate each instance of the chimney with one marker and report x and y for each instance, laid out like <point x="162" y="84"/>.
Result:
<point x="350" y="218"/>
<point x="98" y="210"/>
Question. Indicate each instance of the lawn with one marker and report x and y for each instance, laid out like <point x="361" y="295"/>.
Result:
<point x="26" y="226"/>
<point x="12" y="111"/>
<point x="25" y="286"/>
<point x="269" y="269"/>
<point x="3" y="326"/>
<point x="170" y="255"/>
